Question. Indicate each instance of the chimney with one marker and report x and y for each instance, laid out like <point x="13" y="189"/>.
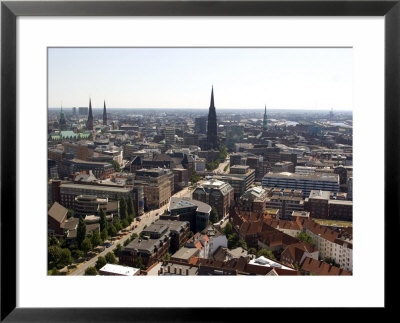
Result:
<point x="175" y="270"/>
<point x="169" y="268"/>
<point x="161" y="270"/>
<point x="180" y="270"/>
<point x="187" y="272"/>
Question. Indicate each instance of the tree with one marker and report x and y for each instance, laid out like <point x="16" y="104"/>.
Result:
<point x="116" y="165"/>
<point x="242" y="244"/>
<point x="103" y="220"/>
<point x="86" y="245"/>
<point x="126" y="242"/>
<point x="232" y="241"/>
<point x="195" y="177"/>
<point x="110" y="258"/>
<point x="54" y="254"/>
<point x="117" y="224"/>
<point x="54" y="271"/>
<point x="101" y="262"/>
<point x="131" y="208"/>
<point x="265" y="253"/>
<point x="53" y="241"/>
<point x="125" y="223"/>
<point x="228" y="229"/>
<point x="65" y="258"/>
<point x="253" y="251"/>
<point x="167" y="256"/>
<point x="77" y="253"/>
<point x="104" y="234"/>
<point x="96" y="239"/>
<point x="139" y="263"/>
<point x="81" y="232"/>
<point x="213" y="215"/>
<point x="123" y="209"/>
<point x="223" y="153"/>
<point x="303" y="236"/>
<point x="134" y="236"/>
<point x="91" y="271"/>
<point x="112" y="231"/>
<point x="70" y="213"/>
<point x="117" y="250"/>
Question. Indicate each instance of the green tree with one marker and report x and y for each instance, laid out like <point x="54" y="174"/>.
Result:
<point x="96" y="239"/>
<point x="65" y="258"/>
<point x="167" y="256"/>
<point x="104" y="234"/>
<point x="76" y="254"/>
<point x="70" y="213"/>
<point x="54" y="254"/>
<point x="131" y="208"/>
<point x="110" y="258"/>
<point x="253" y="251"/>
<point x="232" y="241"/>
<point x="223" y="153"/>
<point x="134" y="236"/>
<point x="116" y="165"/>
<point x="91" y="271"/>
<point x="53" y="241"/>
<point x="195" y="177"/>
<point x="112" y="231"/>
<point x="101" y="262"/>
<point x="124" y="223"/>
<point x="242" y="244"/>
<point x="139" y="263"/>
<point x="303" y="236"/>
<point x="54" y="271"/>
<point x="226" y="168"/>
<point x="103" y="220"/>
<point x="213" y="215"/>
<point x="117" y="250"/>
<point x="117" y="224"/>
<point x="123" y="209"/>
<point x="228" y="229"/>
<point x="86" y="245"/>
<point x="265" y="253"/>
<point x="126" y="242"/>
<point x="81" y="232"/>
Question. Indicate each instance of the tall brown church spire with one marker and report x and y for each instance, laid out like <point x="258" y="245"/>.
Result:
<point x="89" y="124"/>
<point x="212" y="136"/>
<point x="104" y="114"/>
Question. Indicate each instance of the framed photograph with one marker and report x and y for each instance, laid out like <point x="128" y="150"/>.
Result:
<point x="211" y="139"/>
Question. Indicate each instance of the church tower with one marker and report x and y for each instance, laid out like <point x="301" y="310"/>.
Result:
<point x="104" y="114"/>
<point x="89" y="124"/>
<point x="212" y="136"/>
<point x="62" y="122"/>
<point x="265" y="119"/>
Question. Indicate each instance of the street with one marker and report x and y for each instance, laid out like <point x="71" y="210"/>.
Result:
<point x="146" y="219"/>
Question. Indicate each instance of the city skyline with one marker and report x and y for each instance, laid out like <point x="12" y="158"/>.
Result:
<point x="280" y="78"/>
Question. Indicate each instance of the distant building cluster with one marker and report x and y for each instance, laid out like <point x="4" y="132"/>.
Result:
<point x="227" y="192"/>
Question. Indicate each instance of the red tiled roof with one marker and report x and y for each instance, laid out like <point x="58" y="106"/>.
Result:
<point x="321" y="268"/>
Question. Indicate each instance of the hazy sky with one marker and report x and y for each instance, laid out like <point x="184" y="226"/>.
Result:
<point x="293" y="78"/>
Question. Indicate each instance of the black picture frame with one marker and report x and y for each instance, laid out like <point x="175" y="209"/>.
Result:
<point x="10" y="10"/>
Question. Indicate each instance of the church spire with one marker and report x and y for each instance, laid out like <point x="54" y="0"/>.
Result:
<point x="90" y="117"/>
<point x="104" y="114"/>
<point x="212" y="135"/>
<point x="265" y="119"/>
<point x="212" y="98"/>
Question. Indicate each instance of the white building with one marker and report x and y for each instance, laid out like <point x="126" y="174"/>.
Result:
<point x="117" y="270"/>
